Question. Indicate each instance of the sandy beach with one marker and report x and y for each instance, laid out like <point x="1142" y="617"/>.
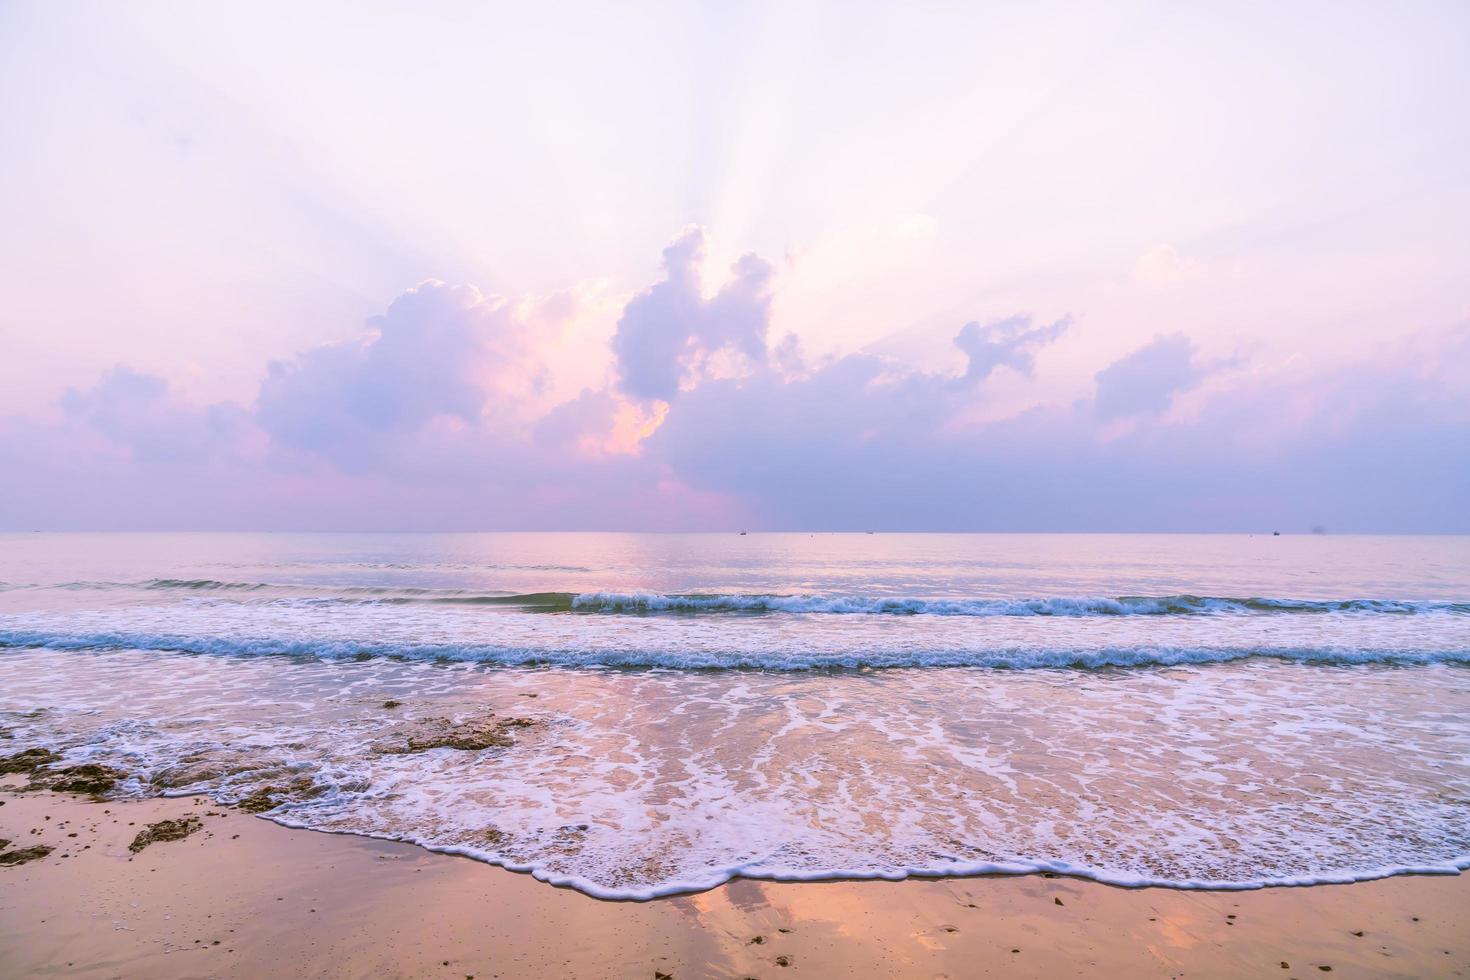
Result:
<point x="243" y="897"/>
<point x="734" y="490"/>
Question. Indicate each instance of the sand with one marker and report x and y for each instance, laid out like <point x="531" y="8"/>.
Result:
<point x="243" y="897"/>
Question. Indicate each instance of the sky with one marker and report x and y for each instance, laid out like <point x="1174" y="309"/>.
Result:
<point x="973" y="267"/>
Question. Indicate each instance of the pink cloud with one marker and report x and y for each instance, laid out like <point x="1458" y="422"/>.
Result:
<point x="437" y="417"/>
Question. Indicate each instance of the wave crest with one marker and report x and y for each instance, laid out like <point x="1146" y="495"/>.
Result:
<point x="1168" y="605"/>
<point x="1007" y="658"/>
<point x="645" y="603"/>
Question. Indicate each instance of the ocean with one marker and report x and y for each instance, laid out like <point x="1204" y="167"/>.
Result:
<point x="643" y="715"/>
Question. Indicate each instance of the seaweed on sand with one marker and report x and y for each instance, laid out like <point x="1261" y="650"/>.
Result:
<point x="165" y="830"/>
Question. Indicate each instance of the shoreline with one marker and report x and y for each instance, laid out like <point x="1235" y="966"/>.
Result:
<point x="1447" y="869"/>
<point x="250" y="897"/>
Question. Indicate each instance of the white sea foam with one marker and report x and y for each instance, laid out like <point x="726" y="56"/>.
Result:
<point x="648" y="602"/>
<point x="1011" y="658"/>
<point x="1167" y="605"/>
<point x="716" y="876"/>
<point x="632" y="785"/>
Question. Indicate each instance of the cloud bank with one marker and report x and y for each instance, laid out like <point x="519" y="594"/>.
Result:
<point x="670" y="332"/>
<point x="444" y="413"/>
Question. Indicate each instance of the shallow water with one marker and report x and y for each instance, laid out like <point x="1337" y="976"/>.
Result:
<point x="1199" y="711"/>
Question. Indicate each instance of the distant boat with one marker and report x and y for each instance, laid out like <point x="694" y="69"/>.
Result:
<point x="742" y="534"/>
<point x="1275" y="534"/>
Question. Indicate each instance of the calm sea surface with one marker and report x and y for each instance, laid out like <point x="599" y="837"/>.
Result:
<point x="1194" y="711"/>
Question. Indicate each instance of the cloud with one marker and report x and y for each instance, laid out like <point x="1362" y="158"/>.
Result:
<point x="1011" y="342"/>
<point x="138" y="413"/>
<point x="854" y="445"/>
<point x="439" y="352"/>
<point x="668" y="331"/>
<point x="1145" y="381"/>
<point x="438" y="417"/>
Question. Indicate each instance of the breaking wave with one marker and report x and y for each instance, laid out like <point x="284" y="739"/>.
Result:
<point x="1169" y="605"/>
<point x="653" y="603"/>
<point x="490" y="654"/>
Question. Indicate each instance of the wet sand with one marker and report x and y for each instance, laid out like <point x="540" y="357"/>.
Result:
<point x="243" y="897"/>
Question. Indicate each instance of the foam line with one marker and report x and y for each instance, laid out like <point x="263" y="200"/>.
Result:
<point x="1010" y="658"/>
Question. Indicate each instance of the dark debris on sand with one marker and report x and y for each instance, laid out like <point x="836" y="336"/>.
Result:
<point x="23" y="854"/>
<point x="465" y="736"/>
<point x="165" y="830"/>
<point x="272" y="796"/>
<point x="88" y="779"/>
<point x="26" y="762"/>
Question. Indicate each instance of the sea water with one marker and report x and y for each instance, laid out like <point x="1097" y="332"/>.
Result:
<point x="1214" y="711"/>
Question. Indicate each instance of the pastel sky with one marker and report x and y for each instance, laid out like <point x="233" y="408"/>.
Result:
<point x="1126" y="266"/>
